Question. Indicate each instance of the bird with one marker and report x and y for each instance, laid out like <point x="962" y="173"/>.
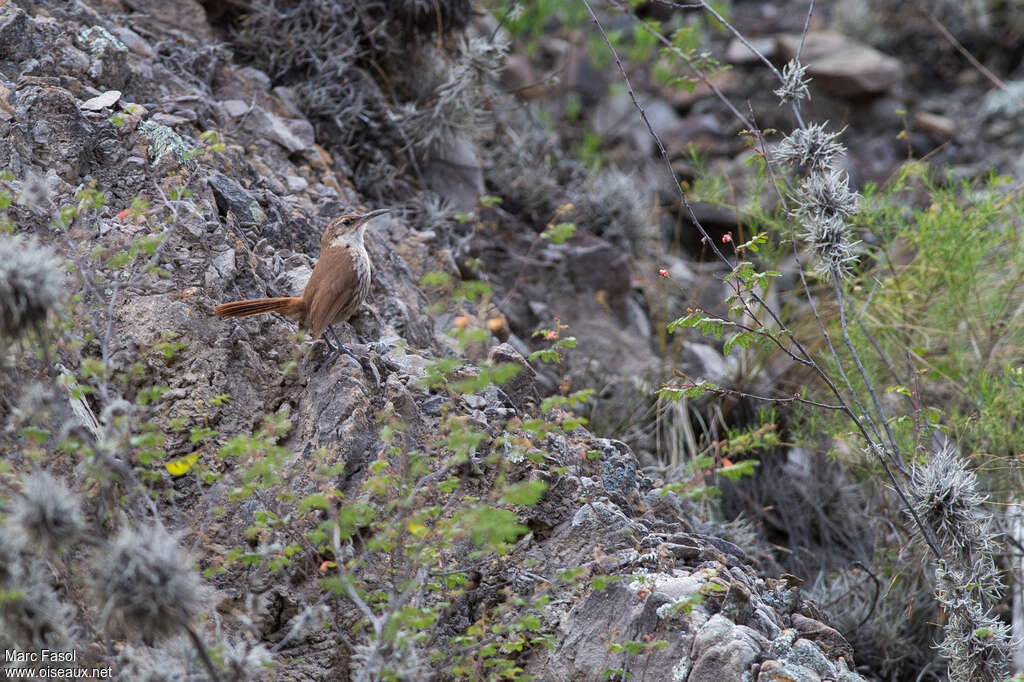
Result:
<point x="338" y="286"/>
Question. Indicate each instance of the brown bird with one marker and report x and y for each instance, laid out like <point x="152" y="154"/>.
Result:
<point x="339" y="284"/>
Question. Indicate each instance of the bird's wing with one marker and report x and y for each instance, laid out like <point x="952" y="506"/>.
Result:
<point x="333" y="294"/>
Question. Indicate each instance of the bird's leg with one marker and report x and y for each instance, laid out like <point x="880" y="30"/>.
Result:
<point x="338" y="347"/>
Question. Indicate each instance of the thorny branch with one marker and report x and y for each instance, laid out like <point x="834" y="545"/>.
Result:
<point x="880" y="451"/>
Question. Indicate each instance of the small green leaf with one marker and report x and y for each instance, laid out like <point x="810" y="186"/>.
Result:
<point x="739" y="470"/>
<point x="313" y="501"/>
<point x="559" y="233"/>
<point x="526" y="493"/>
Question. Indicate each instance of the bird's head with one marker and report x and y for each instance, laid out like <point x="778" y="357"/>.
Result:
<point x="350" y="225"/>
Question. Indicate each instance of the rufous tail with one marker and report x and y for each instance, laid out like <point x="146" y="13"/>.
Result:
<point x="289" y="305"/>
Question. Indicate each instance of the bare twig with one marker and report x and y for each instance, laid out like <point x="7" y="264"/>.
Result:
<point x="991" y="77"/>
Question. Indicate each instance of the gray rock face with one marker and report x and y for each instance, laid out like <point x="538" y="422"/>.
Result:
<point x="584" y="653"/>
<point x="54" y="131"/>
<point x="453" y="170"/>
<point x="230" y="196"/>
<point x="723" y="651"/>
<point x="18" y="35"/>
<point x="292" y="134"/>
<point x="522" y="390"/>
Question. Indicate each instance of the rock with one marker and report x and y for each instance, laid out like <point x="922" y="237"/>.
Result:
<point x="235" y="107"/>
<point x="222" y="269"/>
<point x="738" y="53"/>
<point x="287" y="97"/>
<point x="716" y="220"/>
<point x="762" y="619"/>
<point x="778" y="671"/>
<point x="230" y="196"/>
<point x="828" y="639"/>
<point x="682" y="99"/>
<point x="1004" y="103"/>
<point x="6" y="102"/>
<point x="679" y="271"/>
<point x="844" y="674"/>
<point x="301" y="129"/>
<point x="109" y="57"/>
<point x="169" y="119"/>
<point x="796" y="659"/>
<point x="254" y="75"/>
<point x="723" y="651"/>
<point x="660" y="113"/>
<point x="599" y="514"/>
<point x="71" y="60"/>
<point x="521" y="389"/>
<point x="934" y="124"/>
<point x="133" y="41"/>
<point x="59" y="135"/>
<point x="294" y="279"/>
<point x="18" y="34"/>
<point x="617" y="613"/>
<point x="454" y="172"/>
<point x="403" y="403"/>
<point x="162" y="141"/>
<point x="700" y="130"/>
<point x="107" y="99"/>
<point x="295" y="183"/>
<point x="100" y="41"/>
<point x="701" y="361"/>
<point x="727" y="547"/>
<point x="596" y="265"/>
<point x="187" y="16"/>
<point x="841" y="66"/>
<point x="280" y="130"/>
<point x="679" y="588"/>
<point x="876" y="158"/>
<point x="340" y="410"/>
<point x="618" y="469"/>
<point x="804" y="653"/>
<point x="616" y="119"/>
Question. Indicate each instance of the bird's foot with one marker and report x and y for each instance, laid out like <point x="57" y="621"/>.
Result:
<point x="338" y="348"/>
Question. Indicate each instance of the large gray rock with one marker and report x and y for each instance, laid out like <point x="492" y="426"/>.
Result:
<point x="293" y="134"/>
<point x="58" y="135"/>
<point x="453" y="170"/>
<point x="18" y="34"/>
<point x="842" y="66"/>
<point x="613" y="615"/>
<point x="723" y="650"/>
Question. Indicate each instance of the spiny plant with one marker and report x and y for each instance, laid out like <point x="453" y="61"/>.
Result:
<point x="96" y="525"/>
<point x="819" y="206"/>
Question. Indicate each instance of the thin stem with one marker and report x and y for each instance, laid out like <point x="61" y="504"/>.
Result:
<point x="870" y="337"/>
<point x="203" y="654"/>
<point x="800" y="51"/>
<point x="863" y="373"/>
<point x="719" y="390"/>
<point x="992" y="78"/>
